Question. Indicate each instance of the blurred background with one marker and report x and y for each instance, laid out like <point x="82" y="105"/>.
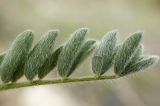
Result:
<point x="100" y="16"/>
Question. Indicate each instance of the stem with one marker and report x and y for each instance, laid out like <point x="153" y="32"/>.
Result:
<point x="46" y="82"/>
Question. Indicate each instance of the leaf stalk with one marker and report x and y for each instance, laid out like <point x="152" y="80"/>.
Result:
<point x="57" y="81"/>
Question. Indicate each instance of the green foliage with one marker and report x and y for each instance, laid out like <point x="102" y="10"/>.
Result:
<point x="104" y="53"/>
<point x="20" y="60"/>
<point x="50" y="63"/>
<point x="16" y="56"/>
<point x="2" y="57"/>
<point x="126" y="52"/>
<point x="39" y="54"/>
<point x="136" y="56"/>
<point x="70" y="51"/>
<point x="141" y="64"/>
<point x="83" y="53"/>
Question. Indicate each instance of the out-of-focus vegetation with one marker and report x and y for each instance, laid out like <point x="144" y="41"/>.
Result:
<point x="100" y="16"/>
